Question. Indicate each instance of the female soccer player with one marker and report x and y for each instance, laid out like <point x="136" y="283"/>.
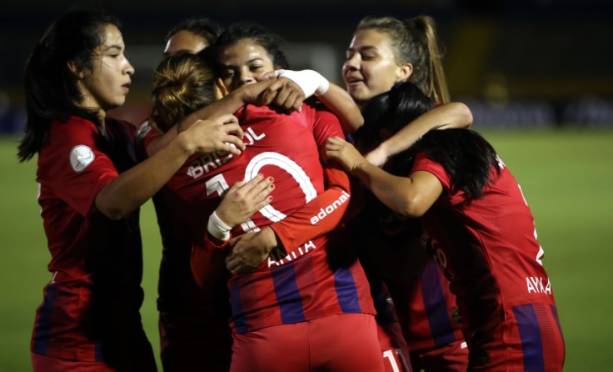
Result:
<point x="383" y="52"/>
<point x="292" y="294"/>
<point x="482" y="231"/>
<point x="192" y="35"/>
<point x="90" y="190"/>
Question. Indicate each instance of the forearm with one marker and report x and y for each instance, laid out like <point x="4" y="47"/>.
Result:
<point x="207" y="262"/>
<point x="340" y="102"/>
<point x="160" y="142"/>
<point x="133" y="187"/>
<point x="314" y="218"/>
<point x="227" y="105"/>
<point x="393" y="191"/>
<point x="450" y="115"/>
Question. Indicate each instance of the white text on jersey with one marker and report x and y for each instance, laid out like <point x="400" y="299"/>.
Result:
<point x="324" y="212"/>
<point x="291" y="256"/>
<point x="208" y="162"/>
<point x="536" y="284"/>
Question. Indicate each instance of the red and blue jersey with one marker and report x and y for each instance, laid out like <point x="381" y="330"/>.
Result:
<point x="300" y="286"/>
<point x="92" y="301"/>
<point x="394" y="249"/>
<point x="488" y="249"/>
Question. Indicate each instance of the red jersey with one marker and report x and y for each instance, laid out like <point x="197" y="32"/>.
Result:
<point x="488" y="249"/>
<point x="91" y="305"/>
<point x="425" y="307"/>
<point x="301" y="286"/>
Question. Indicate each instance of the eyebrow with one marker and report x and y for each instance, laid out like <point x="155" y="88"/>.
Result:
<point x="362" y="48"/>
<point x="249" y="61"/>
<point x="115" y="46"/>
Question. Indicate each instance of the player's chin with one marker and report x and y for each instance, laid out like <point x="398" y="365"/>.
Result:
<point x="117" y="101"/>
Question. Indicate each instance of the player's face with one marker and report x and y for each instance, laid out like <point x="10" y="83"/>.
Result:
<point x="107" y="84"/>
<point x="185" y="41"/>
<point x="370" y="66"/>
<point x="244" y="62"/>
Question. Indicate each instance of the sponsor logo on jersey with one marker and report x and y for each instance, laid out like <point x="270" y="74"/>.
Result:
<point x="324" y="212"/>
<point x="80" y="157"/>
<point x="143" y="130"/>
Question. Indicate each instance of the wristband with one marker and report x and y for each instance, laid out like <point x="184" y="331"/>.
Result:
<point x="217" y="228"/>
<point x="310" y="81"/>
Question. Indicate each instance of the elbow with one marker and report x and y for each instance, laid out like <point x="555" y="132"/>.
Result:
<point x="108" y="208"/>
<point x="465" y="116"/>
<point x="358" y="120"/>
<point x="114" y="214"/>
<point x="412" y="207"/>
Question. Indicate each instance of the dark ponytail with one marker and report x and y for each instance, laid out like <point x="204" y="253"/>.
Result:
<point x="427" y="58"/>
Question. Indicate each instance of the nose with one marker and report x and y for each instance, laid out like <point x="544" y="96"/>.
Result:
<point x="352" y="62"/>
<point x="246" y="77"/>
<point x="129" y="68"/>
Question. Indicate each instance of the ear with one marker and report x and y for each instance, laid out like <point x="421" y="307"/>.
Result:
<point x="75" y="69"/>
<point x="404" y="72"/>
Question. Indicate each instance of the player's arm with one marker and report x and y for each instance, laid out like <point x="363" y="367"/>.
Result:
<point x="132" y="188"/>
<point x="238" y="204"/>
<point x="261" y="93"/>
<point x="450" y="115"/>
<point x="335" y="98"/>
<point x="409" y="196"/>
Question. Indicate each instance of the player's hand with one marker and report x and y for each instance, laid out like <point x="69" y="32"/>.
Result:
<point x="283" y="94"/>
<point x="243" y="199"/>
<point x="250" y="250"/>
<point x="377" y="157"/>
<point x="222" y="135"/>
<point x="344" y="153"/>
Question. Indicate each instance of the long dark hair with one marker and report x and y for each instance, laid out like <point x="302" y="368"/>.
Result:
<point x="268" y="40"/>
<point x="51" y="91"/>
<point x="466" y="156"/>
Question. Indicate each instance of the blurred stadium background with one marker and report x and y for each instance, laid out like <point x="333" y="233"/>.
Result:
<point x="537" y="74"/>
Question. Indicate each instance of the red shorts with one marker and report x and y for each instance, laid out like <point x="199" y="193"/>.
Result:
<point x="452" y="357"/>
<point x="42" y="363"/>
<point x="189" y="342"/>
<point x="345" y="342"/>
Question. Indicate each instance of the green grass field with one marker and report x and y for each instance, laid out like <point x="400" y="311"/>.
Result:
<point x="566" y="176"/>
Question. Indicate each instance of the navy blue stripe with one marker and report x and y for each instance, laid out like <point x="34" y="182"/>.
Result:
<point x="530" y="334"/>
<point x="98" y="352"/>
<point x="237" y="309"/>
<point x="288" y="295"/>
<point x="43" y="324"/>
<point x="346" y="292"/>
<point x="436" y="305"/>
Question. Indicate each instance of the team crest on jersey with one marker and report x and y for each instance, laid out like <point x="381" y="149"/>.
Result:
<point x="80" y="157"/>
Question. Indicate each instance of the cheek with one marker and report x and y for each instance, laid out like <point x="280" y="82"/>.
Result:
<point x="382" y="77"/>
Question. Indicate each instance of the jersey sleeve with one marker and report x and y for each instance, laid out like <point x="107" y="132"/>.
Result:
<point x="146" y="134"/>
<point x="324" y="213"/>
<point x="75" y="168"/>
<point x="207" y="261"/>
<point x="424" y="164"/>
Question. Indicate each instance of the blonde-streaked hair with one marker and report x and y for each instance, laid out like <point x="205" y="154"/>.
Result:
<point x="415" y="41"/>
<point x="182" y="84"/>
